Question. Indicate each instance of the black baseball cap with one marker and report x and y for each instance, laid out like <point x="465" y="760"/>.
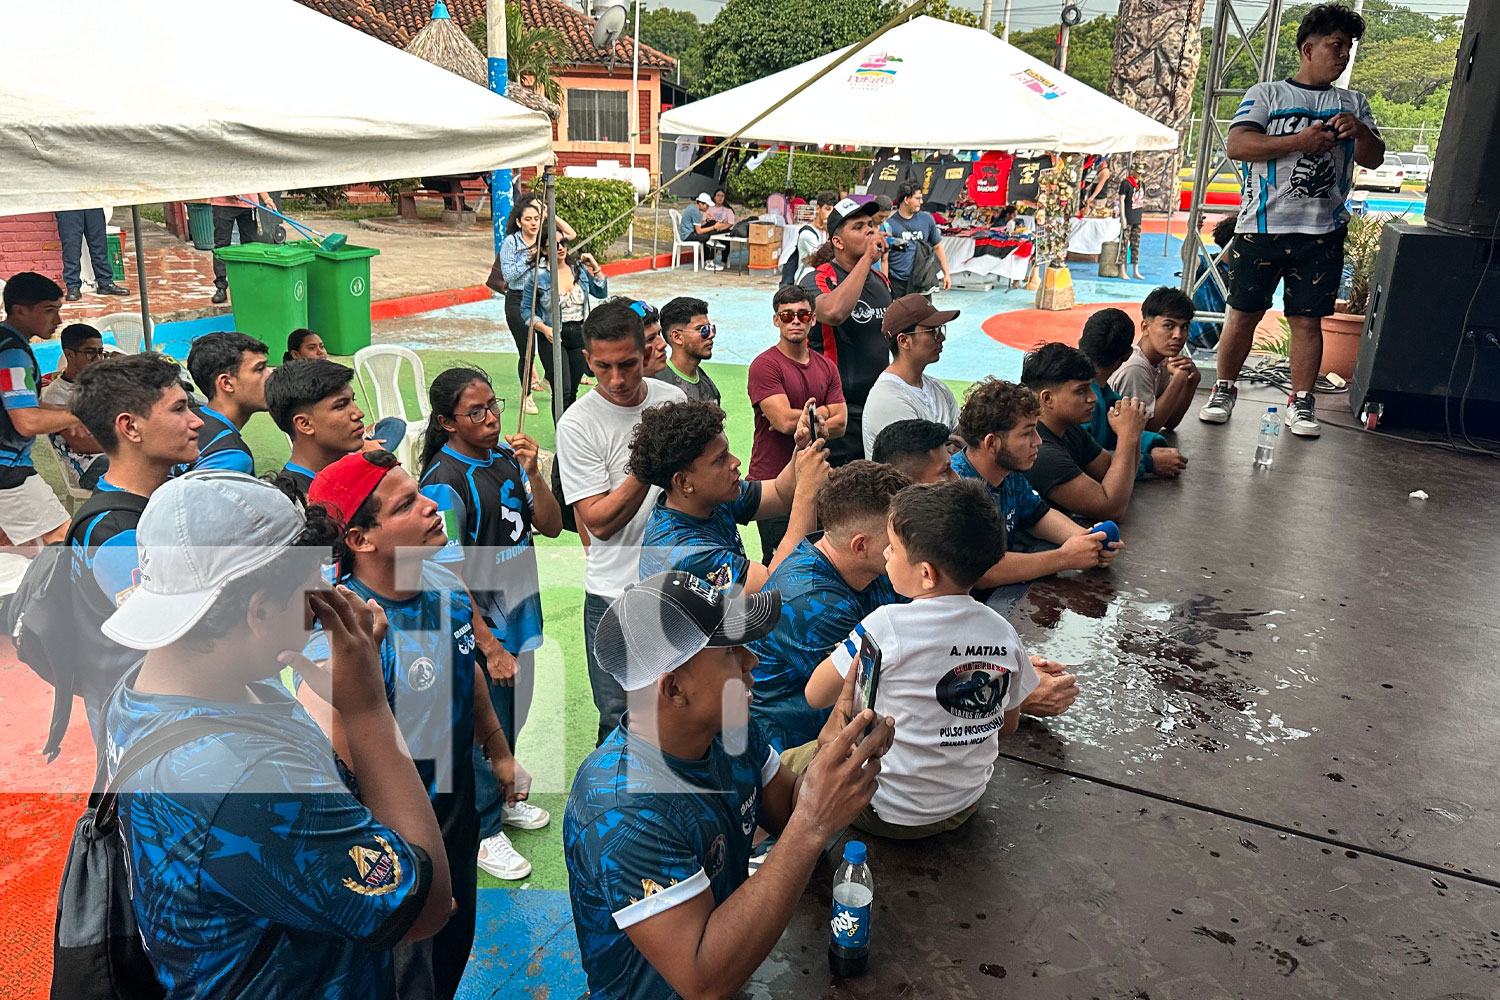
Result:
<point x="659" y="624"/>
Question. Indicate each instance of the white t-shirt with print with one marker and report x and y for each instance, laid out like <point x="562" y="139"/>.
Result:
<point x="593" y="447"/>
<point x="950" y="670"/>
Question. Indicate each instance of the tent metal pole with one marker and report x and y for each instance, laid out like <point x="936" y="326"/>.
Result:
<point x="655" y="224"/>
<point x="558" y="375"/>
<point x="140" y="276"/>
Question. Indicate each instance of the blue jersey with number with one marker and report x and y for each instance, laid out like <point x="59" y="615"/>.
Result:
<point x="1019" y="504"/>
<point x="427" y="659"/>
<point x="487" y="512"/>
<point x="710" y="547"/>
<point x="645" y="832"/>
<point x="231" y="834"/>
<point x="818" y="609"/>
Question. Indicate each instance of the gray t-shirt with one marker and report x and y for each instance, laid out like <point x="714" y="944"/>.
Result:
<point x="1297" y="193"/>
<point x="1140" y="378"/>
<point x="702" y="390"/>
<point x="892" y="399"/>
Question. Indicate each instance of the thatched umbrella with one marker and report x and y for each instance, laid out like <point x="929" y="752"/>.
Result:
<point x="442" y="43"/>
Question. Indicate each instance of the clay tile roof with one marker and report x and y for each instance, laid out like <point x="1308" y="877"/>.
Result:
<point x="404" y="18"/>
<point x="359" y="14"/>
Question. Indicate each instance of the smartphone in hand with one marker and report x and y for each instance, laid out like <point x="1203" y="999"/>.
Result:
<point x="866" y="679"/>
<point x="814" y="423"/>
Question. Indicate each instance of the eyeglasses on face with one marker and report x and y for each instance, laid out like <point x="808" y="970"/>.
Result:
<point x="938" y="333"/>
<point x="479" y="413"/>
<point x="90" y="352"/>
<point x="800" y="315"/>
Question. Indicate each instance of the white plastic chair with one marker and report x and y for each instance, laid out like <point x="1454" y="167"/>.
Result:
<point x="69" y="474"/>
<point x="130" y="335"/>
<point x="379" y="368"/>
<point x="678" y="243"/>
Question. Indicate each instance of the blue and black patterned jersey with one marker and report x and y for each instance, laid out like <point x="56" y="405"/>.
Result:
<point x="301" y="475"/>
<point x="220" y="445"/>
<point x="104" y="569"/>
<point x="1019" y="504"/>
<point x="428" y="662"/>
<point x="709" y="548"/>
<point x="19" y="374"/>
<point x="818" y="609"/>
<point x="487" y="512"/>
<point x="230" y="834"/>
<point x="645" y="831"/>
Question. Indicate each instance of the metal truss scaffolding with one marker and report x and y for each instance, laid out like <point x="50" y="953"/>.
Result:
<point x="1229" y="42"/>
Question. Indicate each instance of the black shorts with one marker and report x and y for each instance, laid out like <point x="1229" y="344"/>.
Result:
<point x="1312" y="265"/>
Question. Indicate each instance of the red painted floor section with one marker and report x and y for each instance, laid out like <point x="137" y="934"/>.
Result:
<point x="1028" y="329"/>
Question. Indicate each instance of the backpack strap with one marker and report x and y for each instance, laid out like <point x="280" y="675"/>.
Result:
<point x="103" y="502"/>
<point x="150" y="748"/>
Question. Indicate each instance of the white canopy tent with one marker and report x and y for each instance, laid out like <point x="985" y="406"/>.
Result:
<point x="142" y="101"/>
<point x="928" y="84"/>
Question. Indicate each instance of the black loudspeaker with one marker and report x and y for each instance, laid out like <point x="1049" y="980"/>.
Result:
<point x="1423" y="346"/>
<point x="1465" y="188"/>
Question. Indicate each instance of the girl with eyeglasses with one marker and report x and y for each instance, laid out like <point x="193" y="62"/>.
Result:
<point x="492" y="495"/>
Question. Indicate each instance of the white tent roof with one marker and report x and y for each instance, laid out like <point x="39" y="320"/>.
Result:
<point x="141" y="101"/>
<point x="928" y="84"/>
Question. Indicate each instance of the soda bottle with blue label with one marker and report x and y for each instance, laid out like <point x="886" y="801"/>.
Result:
<point x="849" y="924"/>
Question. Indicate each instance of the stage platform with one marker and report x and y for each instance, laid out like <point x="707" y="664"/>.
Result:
<point x="1278" y="780"/>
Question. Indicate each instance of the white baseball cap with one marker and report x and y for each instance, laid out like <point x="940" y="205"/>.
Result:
<point x="704" y="198"/>
<point x="200" y="532"/>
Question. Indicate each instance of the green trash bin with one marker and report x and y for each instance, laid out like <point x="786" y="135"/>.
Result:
<point x="338" y="299"/>
<point x="116" y="256"/>
<point x="268" y="288"/>
<point x="201" y="224"/>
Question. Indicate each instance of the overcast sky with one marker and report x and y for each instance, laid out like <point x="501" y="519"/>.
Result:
<point x="1028" y="14"/>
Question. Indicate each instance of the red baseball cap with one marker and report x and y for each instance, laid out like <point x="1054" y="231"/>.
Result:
<point x="347" y="483"/>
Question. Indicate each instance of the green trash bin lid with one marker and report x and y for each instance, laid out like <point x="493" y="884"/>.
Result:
<point x="283" y="255"/>
<point x="345" y="252"/>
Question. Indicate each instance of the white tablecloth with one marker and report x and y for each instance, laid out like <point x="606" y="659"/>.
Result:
<point x="960" y="253"/>
<point x="1089" y="235"/>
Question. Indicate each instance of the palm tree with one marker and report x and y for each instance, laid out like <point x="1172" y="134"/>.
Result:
<point x="534" y="55"/>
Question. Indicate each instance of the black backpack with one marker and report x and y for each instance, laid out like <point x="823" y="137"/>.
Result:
<point x="45" y="622"/>
<point x="97" y="953"/>
<point x="924" y="276"/>
<point x="789" y="269"/>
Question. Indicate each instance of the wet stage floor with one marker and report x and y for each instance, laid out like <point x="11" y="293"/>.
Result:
<point x="1279" y="779"/>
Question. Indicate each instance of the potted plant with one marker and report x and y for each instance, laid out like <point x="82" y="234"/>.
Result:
<point x="1342" y="330"/>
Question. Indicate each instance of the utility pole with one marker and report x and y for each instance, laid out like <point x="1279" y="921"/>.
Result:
<point x="1343" y="80"/>
<point x="987" y="16"/>
<point x="1062" y="43"/>
<point x="1005" y="30"/>
<point x="635" y="114"/>
<point x="494" y="23"/>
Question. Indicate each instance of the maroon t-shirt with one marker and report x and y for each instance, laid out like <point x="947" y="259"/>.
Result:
<point x="774" y="374"/>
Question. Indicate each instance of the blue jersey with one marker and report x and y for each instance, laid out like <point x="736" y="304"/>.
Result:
<point x="300" y="475"/>
<point x="427" y="659"/>
<point x="1098" y="428"/>
<point x="487" y="512"/>
<point x="1019" y="504"/>
<point x="229" y="835"/>
<point x="644" y="832"/>
<point x="818" y="609"/>
<point x="709" y="548"/>
<point x="220" y="445"/>
<point x="105" y="567"/>
<point x="19" y="375"/>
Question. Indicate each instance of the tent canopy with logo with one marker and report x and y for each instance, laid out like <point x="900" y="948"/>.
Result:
<point x="928" y="84"/>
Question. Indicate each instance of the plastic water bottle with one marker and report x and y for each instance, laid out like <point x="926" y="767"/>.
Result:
<point x="1270" y="429"/>
<point x="849" y="926"/>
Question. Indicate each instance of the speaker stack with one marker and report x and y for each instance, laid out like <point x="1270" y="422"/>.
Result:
<point x="1430" y="353"/>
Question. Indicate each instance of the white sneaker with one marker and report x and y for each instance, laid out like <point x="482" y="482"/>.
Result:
<point x="530" y="405"/>
<point x="1220" y="403"/>
<point x="1301" y="418"/>
<point x="497" y="857"/>
<point x="525" y="816"/>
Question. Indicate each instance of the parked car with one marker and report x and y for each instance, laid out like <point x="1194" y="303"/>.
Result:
<point x="1418" y="166"/>
<point x="1386" y="177"/>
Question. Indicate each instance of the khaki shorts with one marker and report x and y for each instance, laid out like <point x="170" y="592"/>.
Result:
<point x="29" y="511"/>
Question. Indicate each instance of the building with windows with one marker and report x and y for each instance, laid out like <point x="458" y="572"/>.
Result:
<point x="595" y="122"/>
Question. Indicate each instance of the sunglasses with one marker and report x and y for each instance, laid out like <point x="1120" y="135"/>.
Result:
<point x="707" y="330"/>
<point x="479" y="413"/>
<point x="645" y="310"/>
<point x="800" y="315"/>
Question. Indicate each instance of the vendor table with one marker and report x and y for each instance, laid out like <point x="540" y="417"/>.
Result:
<point x="1089" y="235"/>
<point x="961" y="257"/>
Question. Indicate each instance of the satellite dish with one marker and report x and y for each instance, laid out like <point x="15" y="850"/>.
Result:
<point x="609" y="28"/>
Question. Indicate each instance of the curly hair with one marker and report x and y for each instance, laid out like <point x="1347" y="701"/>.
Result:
<point x="993" y="406"/>
<point x="1326" y="18"/>
<point x="671" y="437"/>
<point x="857" y="493"/>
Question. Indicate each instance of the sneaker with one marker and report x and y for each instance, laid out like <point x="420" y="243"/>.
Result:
<point x="220" y="296"/>
<point x="530" y="405"/>
<point x="1220" y="403"/>
<point x="73" y="295"/>
<point x="113" y="289"/>
<point x="525" y="816"/>
<point x="497" y="857"/>
<point x="1300" y="418"/>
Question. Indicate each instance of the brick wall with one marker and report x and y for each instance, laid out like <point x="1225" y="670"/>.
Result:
<point x="30" y="243"/>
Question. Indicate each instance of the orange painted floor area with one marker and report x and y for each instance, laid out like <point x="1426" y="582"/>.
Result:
<point x="1027" y="329"/>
